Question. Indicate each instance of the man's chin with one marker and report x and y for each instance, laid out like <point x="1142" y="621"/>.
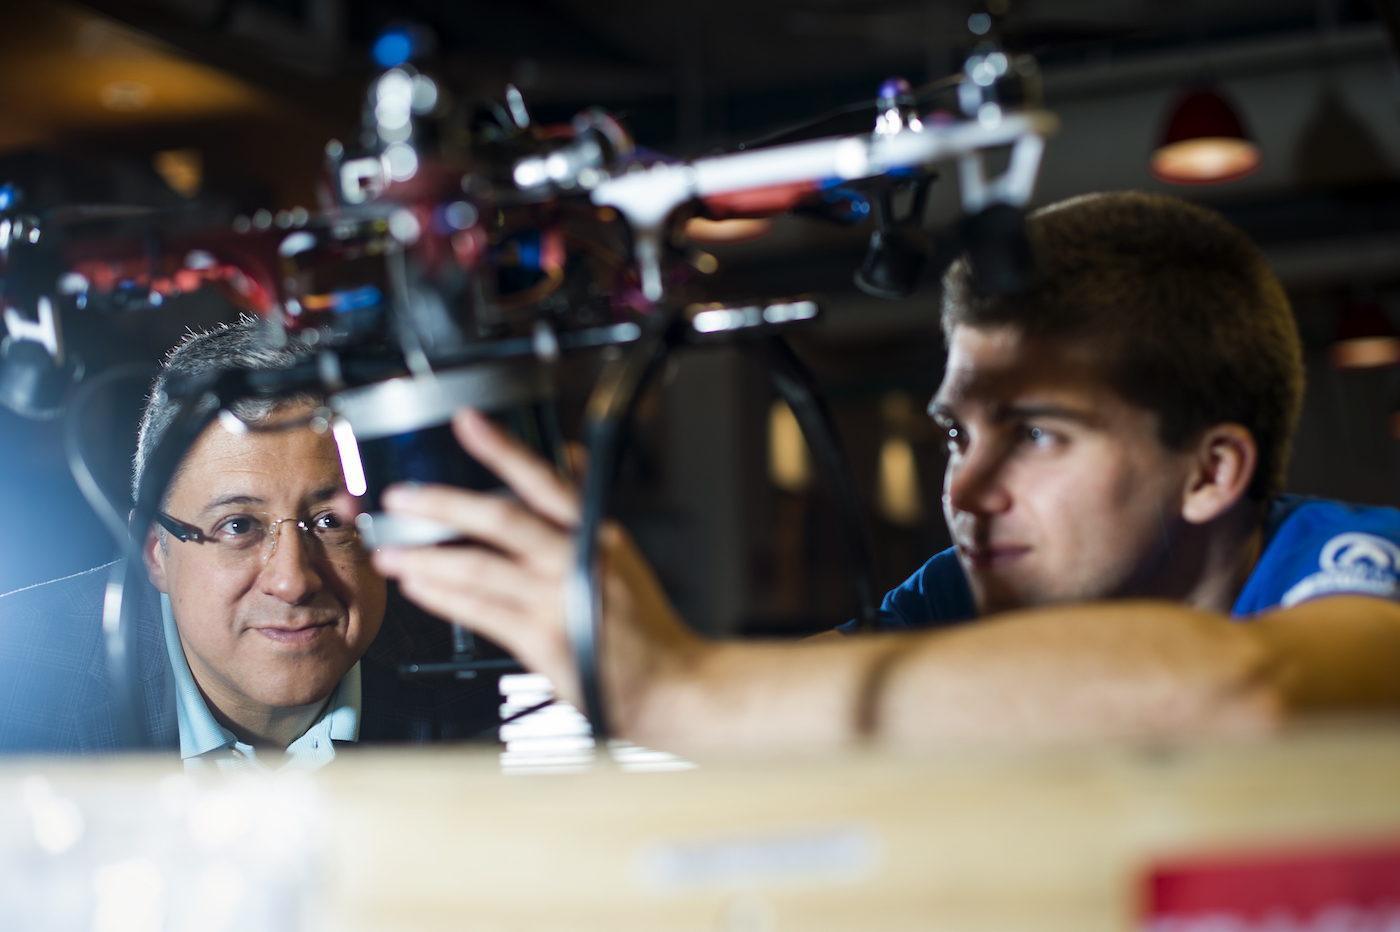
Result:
<point x="298" y="685"/>
<point x="993" y="594"/>
<point x="294" y="696"/>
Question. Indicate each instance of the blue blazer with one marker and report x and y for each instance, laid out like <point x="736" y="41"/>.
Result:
<point x="55" y="695"/>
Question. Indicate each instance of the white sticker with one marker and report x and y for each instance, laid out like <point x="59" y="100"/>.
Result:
<point x="849" y="853"/>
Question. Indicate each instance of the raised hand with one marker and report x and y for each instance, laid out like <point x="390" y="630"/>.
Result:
<point x="507" y="582"/>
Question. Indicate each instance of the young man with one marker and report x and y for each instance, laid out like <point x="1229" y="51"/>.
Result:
<point x="1117" y="442"/>
<point x="265" y="639"/>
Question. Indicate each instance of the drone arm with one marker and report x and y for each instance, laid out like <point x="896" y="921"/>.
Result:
<point x="647" y="198"/>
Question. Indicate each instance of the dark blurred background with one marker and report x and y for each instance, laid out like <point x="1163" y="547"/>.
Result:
<point x="226" y="105"/>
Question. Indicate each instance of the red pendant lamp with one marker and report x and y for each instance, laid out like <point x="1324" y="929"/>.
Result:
<point x="1365" y="338"/>
<point x="1204" y="142"/>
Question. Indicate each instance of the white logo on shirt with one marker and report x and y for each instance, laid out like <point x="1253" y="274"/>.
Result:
<point x="1360" y="553"/>
<point x="1357" y="563"/>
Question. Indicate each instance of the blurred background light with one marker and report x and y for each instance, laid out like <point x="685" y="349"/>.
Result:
<point x="125" y="96"/>
<point x="789" y="463"/>
<point x="392" y="49"/>
<point x="182" y="169"/>
<point x="719" y="232"/>
<point x="1365" y="338"/>
<point x="897" y="494"/>
<point x="1204" y="142"/>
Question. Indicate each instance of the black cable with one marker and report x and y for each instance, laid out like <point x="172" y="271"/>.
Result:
<point x="522" y="713"/>
<point x="120" y="642"/>
<point x="794" y="128"/>
<point x="453" y="667"/>
<point x="919" y="94"/>
<point x="923" y="92"/>
<point x="92" y="490"/>
<point x="117" y="634"/>
<point x="609" y="408"/>
<point x="118" y="623"/>
<point x="516" y="717"/>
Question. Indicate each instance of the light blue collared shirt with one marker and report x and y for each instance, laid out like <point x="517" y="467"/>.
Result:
<point x="205" y="743"/>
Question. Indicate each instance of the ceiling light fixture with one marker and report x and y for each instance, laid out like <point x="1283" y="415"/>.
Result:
<point x="1365" y="338"/>
<point x="1204" y="142"/>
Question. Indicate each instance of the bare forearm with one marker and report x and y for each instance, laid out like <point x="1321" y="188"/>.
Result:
<point x="1341" y="652"/>
<point x="762" y="696"/>
<point x="1077" y="673"/>
<point x="1082" y="672"/>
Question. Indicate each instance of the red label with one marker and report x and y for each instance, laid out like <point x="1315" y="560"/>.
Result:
<point x="1315" y="891"/>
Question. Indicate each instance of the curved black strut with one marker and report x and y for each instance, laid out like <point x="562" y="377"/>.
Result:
<point x="609" y="409"/>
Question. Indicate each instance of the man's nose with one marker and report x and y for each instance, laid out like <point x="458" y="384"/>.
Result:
<point x="290" y="572"/>
<point x="975" y="481"/>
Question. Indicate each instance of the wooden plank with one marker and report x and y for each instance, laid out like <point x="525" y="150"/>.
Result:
<point x="1054" y="840"/>
<point x="991" y="841"/>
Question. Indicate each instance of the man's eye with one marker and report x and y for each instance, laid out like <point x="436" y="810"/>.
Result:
<point x="238" y="527"/>
<point x="327" y="522"/>
<point x="1039" y="436"/>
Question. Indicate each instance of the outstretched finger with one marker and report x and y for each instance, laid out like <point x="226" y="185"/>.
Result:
<point x="540" y="645"/>
<point x="501" y="622"/>
<point x="465" y="569"/>
<point x="528" y="476"/>
<point x="490" y="519"/>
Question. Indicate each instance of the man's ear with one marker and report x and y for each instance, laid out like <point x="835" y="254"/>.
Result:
<point x="1225" y="459"/>
<point x="154" y="556"/>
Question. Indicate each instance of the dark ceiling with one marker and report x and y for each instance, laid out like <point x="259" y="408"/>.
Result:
<point x="259" y="85"/>
<point x="690" y="74"/>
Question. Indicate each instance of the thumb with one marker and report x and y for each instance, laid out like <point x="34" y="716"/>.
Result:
<point x="528" y="476"/>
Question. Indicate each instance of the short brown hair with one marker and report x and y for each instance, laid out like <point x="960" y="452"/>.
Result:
<point x="243" y="344"/>
<point x="1183" y="308"/>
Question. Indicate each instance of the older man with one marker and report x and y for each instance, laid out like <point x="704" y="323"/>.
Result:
<point x="265" y="638"/>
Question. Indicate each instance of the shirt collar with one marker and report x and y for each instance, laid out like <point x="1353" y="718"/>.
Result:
<point x="201" y="733"/>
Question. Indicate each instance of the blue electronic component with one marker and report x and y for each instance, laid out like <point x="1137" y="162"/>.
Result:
<point x="392" y="48"/>
<point x="528" y="244"/>
<point x="356" y="298"/>
<point x="853" y="206"/>
<point x="894" y="88"/>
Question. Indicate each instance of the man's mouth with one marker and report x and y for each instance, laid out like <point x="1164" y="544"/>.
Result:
<point x="295" y="635"/>
<point x="993" y="556"/>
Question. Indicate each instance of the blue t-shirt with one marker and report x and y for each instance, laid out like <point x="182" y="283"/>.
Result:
<point x="1312" y="548"/>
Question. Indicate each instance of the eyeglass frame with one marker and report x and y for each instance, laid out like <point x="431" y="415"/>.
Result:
<point x="186" y="533"/>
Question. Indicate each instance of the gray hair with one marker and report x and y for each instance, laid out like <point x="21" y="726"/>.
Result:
<point x="242" y="345"/>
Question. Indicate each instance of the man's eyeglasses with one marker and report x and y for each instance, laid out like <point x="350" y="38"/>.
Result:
<point x="248" y="536"/>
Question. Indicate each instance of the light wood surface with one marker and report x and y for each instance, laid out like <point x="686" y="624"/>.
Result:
<point x="1010" y="841"/>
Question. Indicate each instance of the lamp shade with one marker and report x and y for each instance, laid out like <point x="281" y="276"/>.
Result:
<point x="1204" y="142"/>
<point x="1365" y="338"/>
